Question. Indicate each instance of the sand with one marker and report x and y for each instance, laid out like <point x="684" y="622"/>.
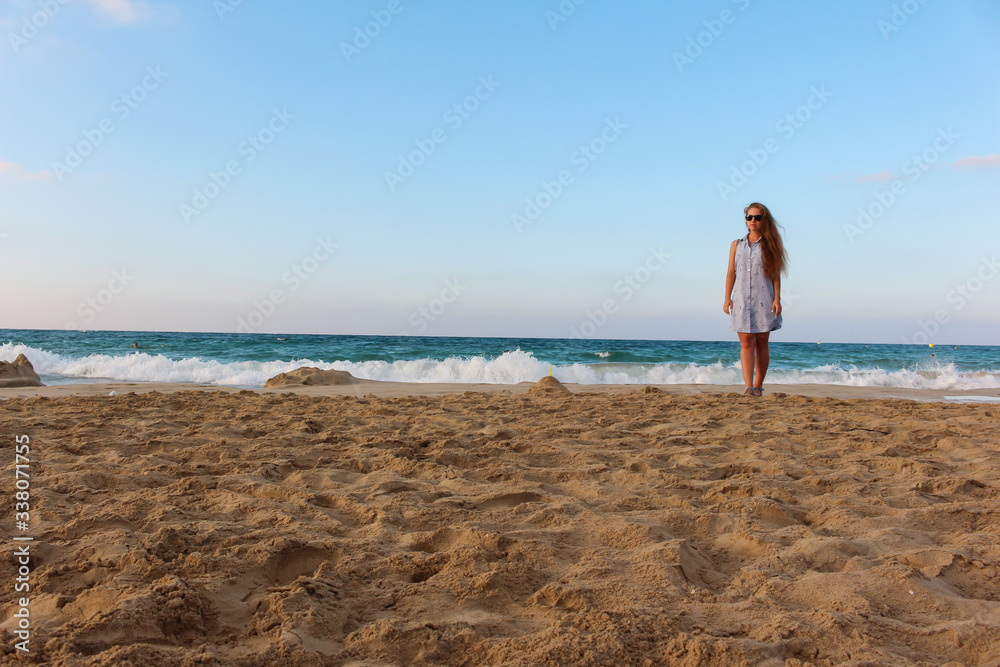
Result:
<point x="620" y="526"/>
<point x="309" y="376"/>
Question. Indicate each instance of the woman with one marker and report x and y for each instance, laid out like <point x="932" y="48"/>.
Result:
<point x="753" y="292"/>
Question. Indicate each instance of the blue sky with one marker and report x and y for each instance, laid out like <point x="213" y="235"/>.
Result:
<point x="497" y="169"/>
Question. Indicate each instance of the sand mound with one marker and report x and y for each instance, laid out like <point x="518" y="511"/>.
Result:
<point x="311" y="376"/>
<point x="548" y="385"/>
<point x="19" y="373"/>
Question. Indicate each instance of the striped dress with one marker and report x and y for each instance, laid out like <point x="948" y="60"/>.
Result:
<point x="753" y="292"/>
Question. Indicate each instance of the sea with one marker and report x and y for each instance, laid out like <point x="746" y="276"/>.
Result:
<point x="248" y="360"/>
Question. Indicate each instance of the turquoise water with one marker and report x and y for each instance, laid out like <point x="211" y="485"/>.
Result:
<point x="248" y="360"/>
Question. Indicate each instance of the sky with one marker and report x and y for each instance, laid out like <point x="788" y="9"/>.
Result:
<point x="525" y="168"/>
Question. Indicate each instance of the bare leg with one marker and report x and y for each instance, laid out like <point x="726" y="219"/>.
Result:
<point x="763" y="358"/>
<point x="748" y="349"/>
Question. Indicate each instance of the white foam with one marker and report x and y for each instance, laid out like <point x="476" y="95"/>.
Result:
<point x="143" y="367"/>
<point x="508" y="368"/>
<point x="970" y="398"/>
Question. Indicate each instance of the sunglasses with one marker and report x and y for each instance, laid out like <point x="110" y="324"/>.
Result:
<point x="758" y="218"/>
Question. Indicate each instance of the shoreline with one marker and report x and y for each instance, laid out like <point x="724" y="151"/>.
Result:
<point x="381" y="389"/>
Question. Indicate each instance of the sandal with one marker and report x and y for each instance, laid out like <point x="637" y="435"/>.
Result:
<point x="749" y="392"/>
<point x="758" y="391"/>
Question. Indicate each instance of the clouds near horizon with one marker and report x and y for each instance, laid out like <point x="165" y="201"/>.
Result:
<point x="18" y="172"/>
<point x="128" y="11"/>
<point x="977" y="162"/>
<point x="881" y="177"/>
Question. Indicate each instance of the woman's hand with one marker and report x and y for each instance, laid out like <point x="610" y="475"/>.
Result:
<point x="776" y="307"/>
<point x="727" y="307"/>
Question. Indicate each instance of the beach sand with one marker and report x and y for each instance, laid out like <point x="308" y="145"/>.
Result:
<point x="377" y="524"/>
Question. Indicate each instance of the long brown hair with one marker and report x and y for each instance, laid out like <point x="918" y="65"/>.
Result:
<point x="772" y="249"/>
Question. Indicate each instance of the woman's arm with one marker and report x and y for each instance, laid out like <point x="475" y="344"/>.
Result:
<point x="776" y="306"/>
<point x="727" y="305"/>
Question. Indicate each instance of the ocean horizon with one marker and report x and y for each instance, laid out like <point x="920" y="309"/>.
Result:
<point x="248" y="360"/>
